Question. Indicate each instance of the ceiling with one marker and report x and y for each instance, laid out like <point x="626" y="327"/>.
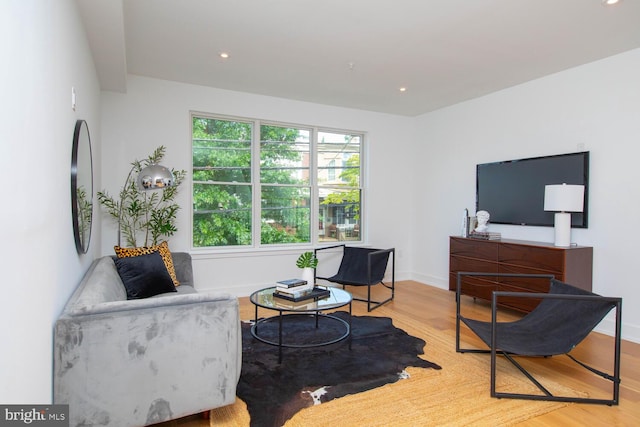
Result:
<point x="355" y="53"/>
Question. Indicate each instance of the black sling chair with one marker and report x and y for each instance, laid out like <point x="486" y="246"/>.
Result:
<point x="363" y="267"/>
<point x="564" y="317"/>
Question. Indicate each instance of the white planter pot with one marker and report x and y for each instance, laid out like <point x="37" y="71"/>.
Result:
<point x="307" y="274"/>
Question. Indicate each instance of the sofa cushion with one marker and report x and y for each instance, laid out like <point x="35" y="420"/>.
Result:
<point x="144" y="275"/>
<point x="162" y="248"/>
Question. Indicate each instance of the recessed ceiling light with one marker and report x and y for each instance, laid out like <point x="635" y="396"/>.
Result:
<point x="403" y="89"/>
<point x="610" y="2"/>
<point x="224" y="55"/>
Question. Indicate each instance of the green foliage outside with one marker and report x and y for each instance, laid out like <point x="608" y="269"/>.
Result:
<point x="222" y="195"/>
<point x="351" y="198"/>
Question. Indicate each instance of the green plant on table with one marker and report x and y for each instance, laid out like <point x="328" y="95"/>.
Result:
<point x="307" y="260"/>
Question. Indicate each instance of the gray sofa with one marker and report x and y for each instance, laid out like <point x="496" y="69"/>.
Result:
<point x="120" y="362"/>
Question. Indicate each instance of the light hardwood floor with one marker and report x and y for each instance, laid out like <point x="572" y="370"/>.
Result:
<point x="423" y="303"/>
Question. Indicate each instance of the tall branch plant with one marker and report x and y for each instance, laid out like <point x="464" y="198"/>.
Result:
<point x="151" y="214"/>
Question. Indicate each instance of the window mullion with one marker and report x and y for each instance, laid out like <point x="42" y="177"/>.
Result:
<point x="256" y="185"/>
<point x="313" y="182"/>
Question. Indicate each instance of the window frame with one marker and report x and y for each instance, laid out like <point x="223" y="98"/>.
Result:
<point x="256" y="186"/>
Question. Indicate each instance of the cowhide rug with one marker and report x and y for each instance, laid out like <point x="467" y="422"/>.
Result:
<point x="274" y="392"/>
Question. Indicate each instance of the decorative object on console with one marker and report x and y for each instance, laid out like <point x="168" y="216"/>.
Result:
<point x="465" y="223"/>
<point x="563" y="199"/>
<point x="154" y="214"/>
<point x="485" y="235"/>
<point x="482" y="218"/>
<point x="473" y="223"/>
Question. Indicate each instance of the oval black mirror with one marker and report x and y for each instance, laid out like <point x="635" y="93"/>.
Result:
<point x="81" y="186"/>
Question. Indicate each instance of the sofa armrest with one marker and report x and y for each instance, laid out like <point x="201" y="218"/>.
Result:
<point x="183" y="267"/>
<point x="140" y="362"/>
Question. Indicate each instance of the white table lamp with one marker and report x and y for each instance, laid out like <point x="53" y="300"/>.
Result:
<point x="562" y="199"/>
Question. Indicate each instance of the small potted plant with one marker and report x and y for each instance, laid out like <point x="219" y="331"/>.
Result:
<point x="307" y="262"/>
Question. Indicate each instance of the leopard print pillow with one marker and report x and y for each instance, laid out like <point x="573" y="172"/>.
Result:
<point x="162" y="248"/>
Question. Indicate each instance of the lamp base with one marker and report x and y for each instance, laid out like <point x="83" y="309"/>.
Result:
<point x="562" y="228"/>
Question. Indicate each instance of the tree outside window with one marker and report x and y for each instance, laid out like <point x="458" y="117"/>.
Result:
<point x="255" y="189"/>
<point x="339" y="198"/>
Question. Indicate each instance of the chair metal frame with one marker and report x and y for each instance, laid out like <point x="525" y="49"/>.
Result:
<point x="371" y="304"/>
<point x="494" y="351"/>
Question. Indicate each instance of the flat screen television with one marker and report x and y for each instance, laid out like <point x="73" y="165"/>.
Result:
<point x="513" y="191"/>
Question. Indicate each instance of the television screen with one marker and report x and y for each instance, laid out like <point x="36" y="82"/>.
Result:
<point x="513" y="191"/>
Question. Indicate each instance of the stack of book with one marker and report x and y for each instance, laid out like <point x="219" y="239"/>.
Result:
<point x="485" y="235"/>
<point x="287" y="304"/>
<point x="293" y="288"/>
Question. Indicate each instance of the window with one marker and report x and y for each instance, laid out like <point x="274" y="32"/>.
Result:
<point x="259" y="184"/>
<point x="331" y="170"/>
<point x="339" y="188"/>
<point x="285" y="185"/>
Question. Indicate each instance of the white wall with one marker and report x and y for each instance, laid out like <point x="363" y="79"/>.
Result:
<point x="595" y="107"/>
<point x="44" y="53"/>
<point x="156" y="112"/>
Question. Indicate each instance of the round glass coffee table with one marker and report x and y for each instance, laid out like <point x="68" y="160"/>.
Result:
<point x="311" y="308"/>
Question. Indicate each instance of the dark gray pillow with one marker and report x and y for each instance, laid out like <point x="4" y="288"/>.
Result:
<point x="144" y="276"/>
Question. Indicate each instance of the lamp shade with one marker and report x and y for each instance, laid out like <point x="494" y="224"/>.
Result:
<point x="564" y="198"/>
<point x="154" y="177"/>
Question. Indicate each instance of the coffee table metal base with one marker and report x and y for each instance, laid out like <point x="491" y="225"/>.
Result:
<point x="317" y="309"/>
<point x="281" y="344"/>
